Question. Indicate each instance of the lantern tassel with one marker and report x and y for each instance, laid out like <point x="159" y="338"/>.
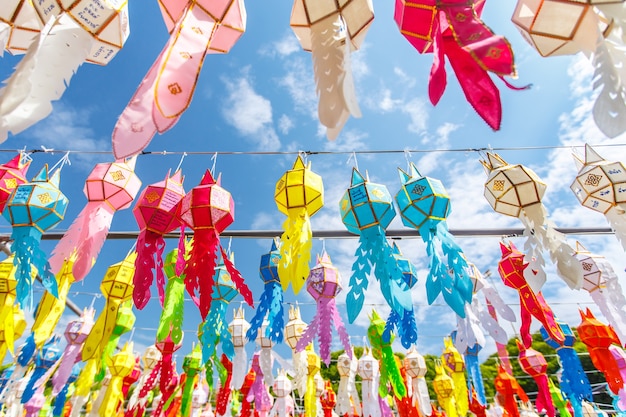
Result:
<point x="223" y="395"/>
<point x="237" y="279"/>
<point x="43" y="74"/>
<point x="202" y="261"/>
<point x="475" y="378"/>
<point x="310" y="401"/>
<point x="240" y="367"/>
<point x="361" y="269"/>
<point x="574" y="381"/>
<point x="150" y="245"/>
<point x="295" y="250"/>
<point x="617" y="220"/>
<point x="405" y="325"/>
<point x="389" y="370"/>
<point x="215" y="330"/>
<point x="611" y="300"/>
<point x="392" y="283"/>
<point x="28" y="254"/>
<point x="98" y="225"/>
<point x="270" y="306"/>
<point x="543" y="402"/>
<point x="101" y="331"/>
<point x="371" y="407"/>
<point x="173" y="311"/>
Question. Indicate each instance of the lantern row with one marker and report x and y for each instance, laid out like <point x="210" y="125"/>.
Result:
<point x="55" y="35"/>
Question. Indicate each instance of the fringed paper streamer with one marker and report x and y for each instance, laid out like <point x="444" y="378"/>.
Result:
<point x="117" y="288"/>
<point x="331" y="34"/>
<point x="172" y="315"/>
<point x="367" y="210"/>
<point x="215" y="328"/>
<point x="347" y="393"/>
<point x="455" y="31"/>
<point x="511" y="268"/>
<point x="270" y="304"/>
<point x="415" y="367"/>
<point x="75" y="334"/>
<point x="598" y="337"/>
<point x="156" y="214"/>
<point x="18" y="325"/>
<point x="294" y="329"/>
<point x="123" y="324"/>
<point x="266" y="360"/>
<point x="65" y="392"/>
<point x="120" y="366"/>
<point x="35" y="404"/>
<point x="167" y="394"/>
<point x="516" y="190"/>
<point x="574" y="383"/>
<point x="166" y="365"/>
<point x="299" y="194"/>
<point x="238" y="329"/>
<point x="208" y="220"/>
<point x="324" y="283"/>
<point x="50" y="309"/>
<point x="259" y="388"/>
<point x="559" y="402"/>
<point x="381" y="349"/>
<point x="454" y="364"/>
<point x="283" y="404"/>
<point x="535" y="365"/>
<point x="424" y="205"/>
<point x="167" y="89"/>
<point x="602" y="284"/>
<point x="407" y="406"/>
<point x="33" y="208"/>
<point x="45" y="359"/>
<point x="223" y="395"/>
<point x="477" y="407"/>
<point x="444" y="388"/>
<point x="83" y="386"/>
<point x="147" y="381"/>
<point x="246" y="392"/>
<point x="13" y="173"/>
<point x="8" y="293"/>
<point x="620" y="358"/>
<point x="109" y="187"/>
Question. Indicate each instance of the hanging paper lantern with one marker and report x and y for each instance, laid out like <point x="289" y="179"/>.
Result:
<point x="283" y="405"/>
<point x="415" y="366"/>
<point x="109" y="187"/>
<point x="222" y="400"/>
<point x="73" y="33"/>
<point x="405" y="406"/>
<point x="265" y="356"/>
<point x="8" y="285"/>
<point x="208" y="209"/>
<point x="324" y="283"/>
<point x="601" y="186"/>
<point x="18" y="325"/>
<point x="381" y="349"/>
<point x="348" y="400"/>
<point x="515" y="190"/>
<point x="259" y="390"/>
<point x="197" y="28"/>
<point x="13" y="173"/>
<point x="328" y="399"/>
<point x="238" y="329"/>
<point x="192" y="364"/>
<point x="271" y="301"/>
<point x="123" y="324"/>
<point x="511" y="268"/>
<point x="294" y="329"/>
<point x="33" y="208"/>
<point x="19" y="25"/>
<point x="120" y="366"/>
<point x="331" y="31"/>
<point x="535" y="365"/>
<point x="117" y="288"/>
<point x="455" y="30"/>
<point x="172" y="315"/>
<point x="156" y="214"/>
<point x="166" y="366"/>
<point x="597" y="336"/>
<point x="313" y="369"/>
<point x="443" y="386"/>
<point x="151" y="369"/>
<point x="470" y="354"/>
<point x="368" y="370"/>
<point x="454" y="365"/>
<point x="367" y="210"/>
<point x="61" y="405"/>
<point x="75" y="334"/>
<point x="476" y="407"/>
<point x="215" y="328"/>
<point x="299" y="194"/>
<point x="45" y="359"/>
<point x="424" y="205"/>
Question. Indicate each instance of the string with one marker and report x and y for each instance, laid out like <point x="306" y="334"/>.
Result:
<point x="214" y="159"/>
<point x="180" y="163"/>
<point x="352" y="157"/>
<point x="407" y="156"/>
<point x="323" y="245"/>
<point x="61" y="163"/>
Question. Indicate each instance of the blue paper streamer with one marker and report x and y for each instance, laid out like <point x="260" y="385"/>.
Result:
<point x="361" y="268"/>
<point x="28" y="254"/>
<point x="475" y="379"/>
<point x="27" y="351"/>
<point x="405" y="326"/>
<point x="48" y="355"/>
<point x="215" y="330"/>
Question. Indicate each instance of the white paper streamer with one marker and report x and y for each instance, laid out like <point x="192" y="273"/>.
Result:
<point x="368" y="370"/>
<point x="347" y="393"/>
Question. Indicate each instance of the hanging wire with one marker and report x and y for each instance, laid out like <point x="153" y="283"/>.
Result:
<point x="180" y="163"/>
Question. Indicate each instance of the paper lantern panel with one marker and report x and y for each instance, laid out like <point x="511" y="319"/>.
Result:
<point x="116" y="183"/>
<point x="366" y="205"/>
<point x="156" y="207"/>
<point x="12" y="174"/>
<point x="294" y="327"/>
<point x="20" y="15"/>
<point x="421" y="200"/>
<point x="513" y="188"/>
<point x="416" y="19"/>
<point x="208" y="206"/>
<point x="224" y="289"/>
<point x="238" y="328"/>
<point x="299" y="188"/>
<point x="601" y="187"/>
<point x="415" y="364"/>
<point x="324" y="281"/>
<point x="117" y="282"/>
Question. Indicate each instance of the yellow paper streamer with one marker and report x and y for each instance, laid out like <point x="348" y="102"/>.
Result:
<point x="314" y="366"/>
<point x="8" y="285"/>
<point x="120" y="366"/>
<point x="455" y="366"/>
<point x="17" y="323"/>
<point x="444" y="388"/>
<point x="84" y="383"/>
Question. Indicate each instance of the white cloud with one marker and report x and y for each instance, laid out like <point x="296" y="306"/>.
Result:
<point x="349" y="140"/>
<point x="299" y="83"/>
<point x="250" y="114"/>
<point x="283" y="47"/>
<point x="285" y="124"/>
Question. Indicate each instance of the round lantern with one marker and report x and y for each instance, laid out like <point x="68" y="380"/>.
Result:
<point x="294" y="327"/>
<point x="23" y="25"/>
<point x="151" y="357"/>
<point x="115" y="183"/>
<point x="368" y="366"/>
<point x="593" y="279"/>
<point x="208" y="206"/>
<point x="299" y="188"/>
<point x="344" y="365"/>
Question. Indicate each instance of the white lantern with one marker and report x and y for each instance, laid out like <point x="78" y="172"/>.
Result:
<point x="294" y="327"/>
<point x="238" y="328"/>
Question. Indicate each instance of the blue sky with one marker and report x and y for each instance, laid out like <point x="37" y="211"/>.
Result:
<point x="261" y="97"/>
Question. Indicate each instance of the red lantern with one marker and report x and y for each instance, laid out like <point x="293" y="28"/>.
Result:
<point x="535" y="365"/>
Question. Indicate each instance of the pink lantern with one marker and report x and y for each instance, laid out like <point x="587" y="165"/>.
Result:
<point x="12" y="174"/>
<point x="109" y="187"/>
<point x="208" y="209"/>
<point x="156" y="215"/>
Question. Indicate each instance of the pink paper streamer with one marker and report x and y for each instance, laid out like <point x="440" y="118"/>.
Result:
<point x="149" y="245"/>
<point x="544" y="400"/>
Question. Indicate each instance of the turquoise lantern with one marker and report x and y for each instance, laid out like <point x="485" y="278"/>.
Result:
<point x="34" y="208"/>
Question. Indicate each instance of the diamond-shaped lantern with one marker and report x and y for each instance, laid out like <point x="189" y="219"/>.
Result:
<point x="511" y="188"/>
<point x="366" y="204"/>
<point x="208" y="206"/>
<point x="156" y="206"/>
<point x="238" y="328"/>
<point x="294" y="327"/>
<point x="452" y="359"/>
<point x="105" y="20"/>
<point x="299" y="188"/>
<point x="151" y="357"/>
<point x="115" y="183"/>
<point x="23" y="25"/>
<point x="557" y="27"/>
<point x="415" y="364"/>
<point x="592" y="275"/>
<point x="282" y="385"/>
<point x="442" y="384"/>
<point x="368" y="366"/>
<point x="324" y="280"/>
<point x="344" y="365"/>
<point x="531" y="361"/>
<point x="12" y="174"/>
<point x="262" y="340"/>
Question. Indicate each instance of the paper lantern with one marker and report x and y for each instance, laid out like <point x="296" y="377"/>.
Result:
<point x="455" y="30"/>
<point x="33" y="208"/>
<point x="299" y="194"/>
<point x="368" y="370"/>
<point x="238" y="329"/>
<point x="515" y="190"/>
<point x="293" y="332"/>
<point x="424" y="205"/>
<point x="415" y="367"/>
<point x="324" y="283"/>
<point x="18" y="325"/>
<point x="208" y="209"/>
<point x="313" y="369"/>
<point x="535" y="365"/>
<point x="265" y="356"/>
<point x="367" y="210"/>
<point x="271" y="301"/>
<point x="381" y="349"/>
<point x="120" y="366"/>
<point x="197" y="28"/>
<point x="89" y="30"/>
<point x="8" y="292"/>
<point x="117" y="288"/>
<point x="215" y="327"/>
<point x="45" y="359"/>
<point x="19" y="25"/>
<point x="192" y="364"/>
<point x="331" y="31"/>
<point x="598" y="337"/>
<point x="602" y="284"/>
<point x="13" y="173"/>
<point x="348" y="400"/>
<point x="511" y="268"/>
<point x="284" y="405"/>
<point x="151" y="368"/>
<point x="167" y="370"/>
<point x="443" y="386"/>
<point x="132" y="377"/>
<point x="171" y="321"/>
<point x="454" y="365"/>
<point x="156" y="213"/>
<point x="109" y="187"/>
